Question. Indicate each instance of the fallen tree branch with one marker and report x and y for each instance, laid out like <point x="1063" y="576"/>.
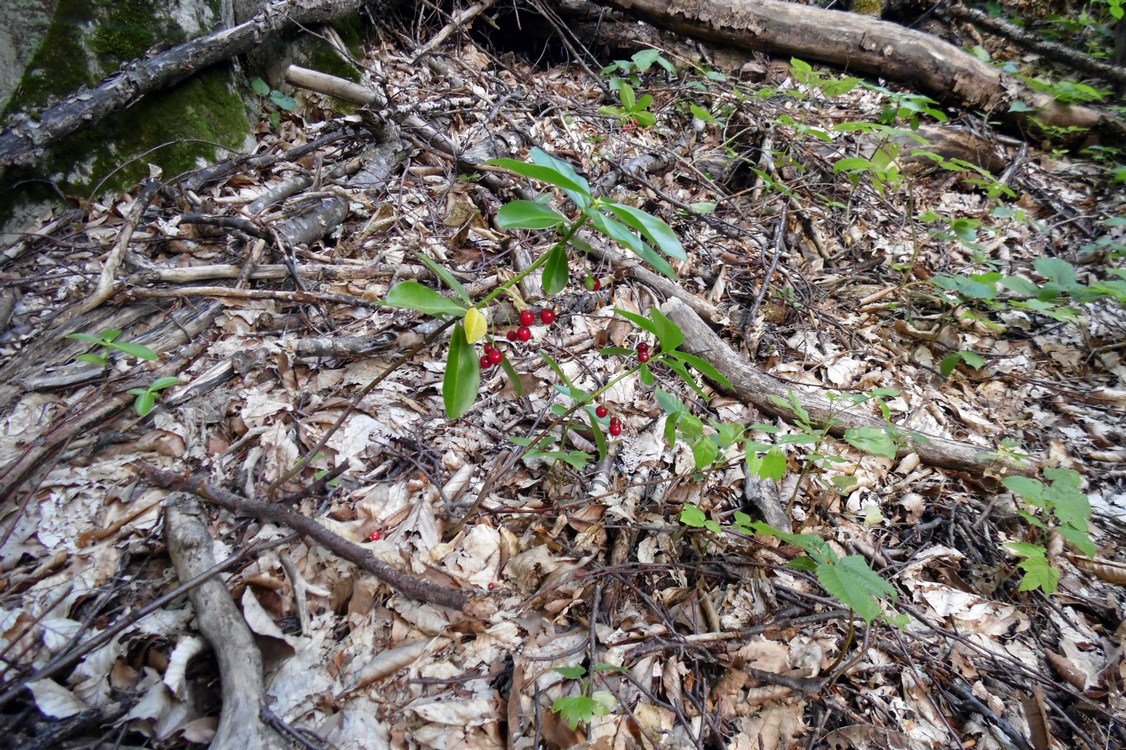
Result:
<point x="221" y="623"/>
<point x="867" y="45"/>
<point x="404" y="583"/>
<point x="21" y="143"/>
<point x="760" y="389"/>
<point x="1051" y="50"/>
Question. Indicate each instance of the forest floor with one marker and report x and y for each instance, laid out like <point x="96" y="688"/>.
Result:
<point x="615" y="574"/>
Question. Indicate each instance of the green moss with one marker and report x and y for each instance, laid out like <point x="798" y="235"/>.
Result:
<point x="868" y="7"/>
<point x="175" y="129"/>
<point x="60" y="65"/>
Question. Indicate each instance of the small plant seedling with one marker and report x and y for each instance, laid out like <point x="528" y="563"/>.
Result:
<point x="146" y="397"/>
<point x="106" y="342"/>
<point x="580" y="709"/>
<point x="278" y="98"/>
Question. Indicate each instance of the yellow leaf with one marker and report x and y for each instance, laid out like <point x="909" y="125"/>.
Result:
<point x="475" y="325"/>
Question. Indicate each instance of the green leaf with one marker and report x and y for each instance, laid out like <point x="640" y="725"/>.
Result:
<point x="1030" y="489"/>
<point x="604" y="667"/>
<point x="135" y="350"/>
<point x="579" y="192"/>
<point x="558" y="370"/>
<point x="667" y="401"/>
<point x="463" y="375"/>
<point x="973" y="359"/>
<point x="95" y="359"/>
<point x="668" y="333"/>
<point x="678" y="367"/>
<point x="691" y="515"/>
<point x="528" y="215"/>
<point x="949" y="363"/>
<point x="284" y="101"/>
<point x="855" y="585"/>
<point x="651" y="228"/>
<point x="451" y="281"/>
<point x="145" y="401"/>
<point x="773" y="464"/>
<point x="704" y="451"/>
<point x="1038" y="574"/>
<point x="260" y="87"/>
<point x="161" y="383"/>
<point x="637" y="320"/>
<point x="415" y="296"/>
<point x="1057" y="270"/>
<point x="578" y="709"/>
<point x="620" y="232"/>
<point x="556" y="272"/>
<point x="1080" y="538"/>
<point x="625" y="93"/>
<point x="513" y="377"/>
<point x="576" y="672"/>
<point x="542" y="158"/>
<point x="704" y="367"/>
<point x="700" y="113"/>
<point x="874" y="440"/>
<point x="645" y="58"/>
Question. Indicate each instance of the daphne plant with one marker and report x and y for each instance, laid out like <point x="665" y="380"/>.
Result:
<point x="644" y="234"/>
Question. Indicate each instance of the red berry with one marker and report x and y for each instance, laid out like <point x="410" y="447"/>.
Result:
<point x="495" y="356"/>
<point x="524" y="333"/>
<point x="596" y="285"/>
<point x="511" y="335"/>
<point x="376" y="535"/>
<point x="547" y="316"/>
<point x="643" y="356"/>
<point x="643" y="346"/>
<point x="488" y="347"/>
<point x="492" y="585"/>
<point x="527" y="318"/>
<point x="601" y="411"/>
<point x="615" y="426"/>
<point x="485" y="363"/>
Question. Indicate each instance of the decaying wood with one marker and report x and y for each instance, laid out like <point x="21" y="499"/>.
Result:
<point x="23" y="142"/>
<point x="221" y="623"/>
<point x="757" y="388"/>
<point x="404" y="583"/>
<point x="866" y="45"/>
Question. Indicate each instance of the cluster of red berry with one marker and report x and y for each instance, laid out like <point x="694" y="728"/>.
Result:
<point x="643" y="352"/>
<point x="615" y="423"/>
<point x="494" y="356"/>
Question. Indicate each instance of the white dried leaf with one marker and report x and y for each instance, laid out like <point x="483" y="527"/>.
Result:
<point x="185" y="650"/>
<point x="54" y="700"/>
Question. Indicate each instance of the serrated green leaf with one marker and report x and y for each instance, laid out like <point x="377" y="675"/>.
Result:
<point x="874" y="440"/>
<point x="1039" y="574"/>
<point x="855" y="585"/>
<point x="1057" y="270"/>
<point x="949" y="363"/>
<point x="1027" y="487"/>
<point x="1079" y="538"/>
<point x="651" y="228"/>
<point x="704" y="452"/>
<point x="556" y="272"/>
<point x="415" y="296"/>
<point x="463" y="375"/>
<point x="575" y="672"/>
<point x="578" y="709"/>
<point x="528" y="215"/>
<point x="691" y="515"/>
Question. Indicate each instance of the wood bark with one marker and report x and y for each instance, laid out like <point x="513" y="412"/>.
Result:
<point x="865" y="45"/>
<point x="22" y="143"/>
<point x="761" y="390"/>
<point x="221" y="623"/>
